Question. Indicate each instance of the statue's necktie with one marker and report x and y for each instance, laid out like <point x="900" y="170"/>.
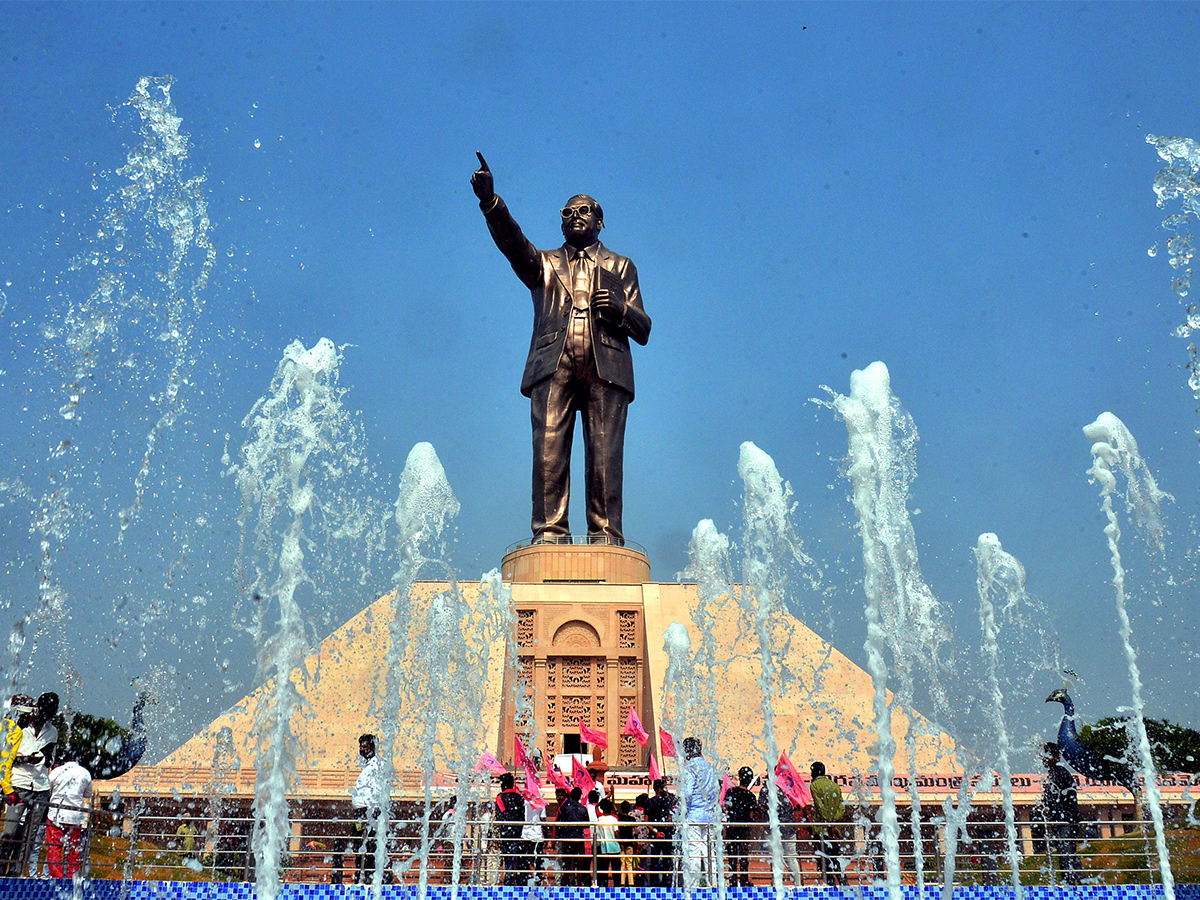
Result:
<point x="581" y="287"/>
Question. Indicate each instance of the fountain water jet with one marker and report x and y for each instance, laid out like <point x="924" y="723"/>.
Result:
<point x="902" y="613"/>
<point x="176" y="206"/>
<point x="770" y="546"/>
<point x="439" y="678"/>
<point x="424" y="507"/>
<point x="1001" y="573"/>
<point x="708" y="565"/>
<point x="158" y="203"/>
<point x="1113" y="447"/>
<point x="301" y="444"/>
<point x="1180" y="180"/>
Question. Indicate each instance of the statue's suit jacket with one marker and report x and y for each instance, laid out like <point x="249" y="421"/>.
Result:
<point x="547" y="274"/>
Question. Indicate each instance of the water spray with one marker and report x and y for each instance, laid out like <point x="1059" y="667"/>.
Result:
<point x="299" y="441"/>
<point x="902" y="613"/>
<point x="1001" y="573"/>
<point x="1114" y="450"/>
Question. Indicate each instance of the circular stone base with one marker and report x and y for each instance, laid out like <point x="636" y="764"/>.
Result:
<point x="575" y="563"/>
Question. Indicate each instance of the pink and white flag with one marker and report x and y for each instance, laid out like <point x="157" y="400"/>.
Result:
<point x="790" y="782"/>
<point x="557" y="778"/>
<point x="655" y="774"/>
<point x="489" y="763"/>
<point x="666" y="742"/>
<point x="533" y="791"/>
<point x="592" y="736"/>
<point x="633" y="726"/>
<point x="726" y="784"/>
<point x="580" y="776"/>
<point x="520" y="757"/>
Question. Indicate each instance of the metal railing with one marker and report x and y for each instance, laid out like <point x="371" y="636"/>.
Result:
<point x="168" y="848"/>
<point x="39" y="836"/>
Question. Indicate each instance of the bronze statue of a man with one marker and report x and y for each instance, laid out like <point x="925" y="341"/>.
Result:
<point x="586" y="307"/>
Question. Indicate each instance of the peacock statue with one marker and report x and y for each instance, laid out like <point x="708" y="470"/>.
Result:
<point x="1083" y="758"/>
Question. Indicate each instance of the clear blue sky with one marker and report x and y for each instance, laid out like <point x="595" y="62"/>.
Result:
<point x="962" y="191"/>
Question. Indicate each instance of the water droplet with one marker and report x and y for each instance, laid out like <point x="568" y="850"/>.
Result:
<point x="257" y="143"/>
<point x="1153" y="251"/>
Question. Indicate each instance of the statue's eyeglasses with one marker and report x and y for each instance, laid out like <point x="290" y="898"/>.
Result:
<point x="568" y="211"/>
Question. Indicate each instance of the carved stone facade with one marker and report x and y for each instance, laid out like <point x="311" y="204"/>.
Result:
<point x="579" y="660"/>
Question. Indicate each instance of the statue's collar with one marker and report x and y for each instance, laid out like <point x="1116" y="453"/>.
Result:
<point x="592" y="251"/>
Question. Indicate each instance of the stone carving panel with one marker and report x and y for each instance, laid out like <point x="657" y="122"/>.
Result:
<point x="526" y="664"/>
<point x="577" y="634"/>
<point x="628" y="754"/>
<point x="526" y="622"/>
<point x="576" y="708"/>
<point x="578" y="673"/>
<point x="627" y="669"/>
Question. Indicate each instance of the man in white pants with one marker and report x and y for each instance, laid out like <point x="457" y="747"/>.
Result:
<point x="70" y="801"/>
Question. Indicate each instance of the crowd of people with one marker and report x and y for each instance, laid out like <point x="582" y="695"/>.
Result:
<point x="592" y="839"/>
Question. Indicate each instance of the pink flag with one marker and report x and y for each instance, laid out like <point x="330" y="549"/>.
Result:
<point x="558" y="779"/>
<point x="592" y="736"/>
<point x="726" y="784"/>
<point x="488" y="762"/>
<point x="790" y="782"/>
<point x="580" y="776"/>
<point x="654" y="773"/>
<point x="666" y="742"/>
<point x="520" y="757"/>
<point x="533" y="791"/>
<point x="633" y="726"/>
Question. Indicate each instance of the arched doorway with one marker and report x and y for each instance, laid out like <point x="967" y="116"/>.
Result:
<point x="580" y="664"/>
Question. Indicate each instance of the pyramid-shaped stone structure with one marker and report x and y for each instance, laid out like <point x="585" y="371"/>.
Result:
<point x="461" y="651"/>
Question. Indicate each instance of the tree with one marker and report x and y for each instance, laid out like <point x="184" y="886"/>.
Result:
<point x="102" y="746"/>
<point x="1174" y="748"/>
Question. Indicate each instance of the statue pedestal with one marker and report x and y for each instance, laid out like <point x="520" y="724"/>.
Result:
<point x="527" y="563"/>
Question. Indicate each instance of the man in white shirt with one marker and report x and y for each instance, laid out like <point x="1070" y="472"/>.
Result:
<point x="23" y="821"/>
<point x="533" y="837"/>
<point x="700" y="793"/>
<point x="70" y="801"/>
